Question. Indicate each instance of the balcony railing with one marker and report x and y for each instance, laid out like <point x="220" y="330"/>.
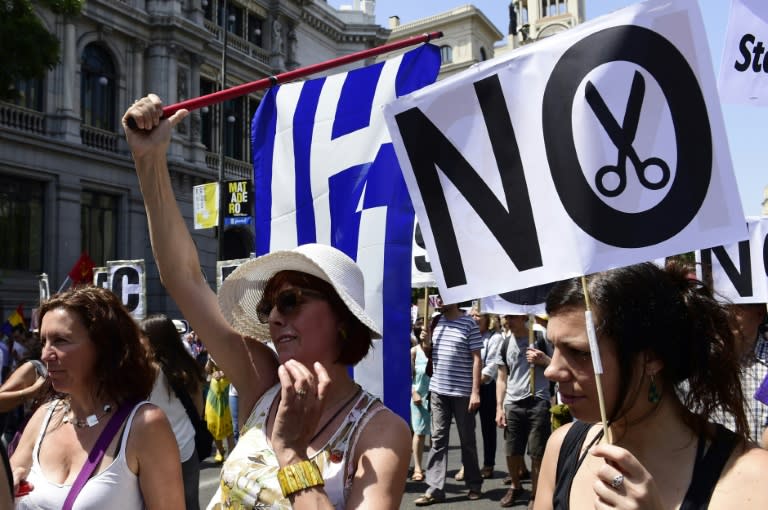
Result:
<point x="98" y="138"/>
<point x="233" y="168"/>
<point x="236" y="42"/>
<point x="21" y="118"/>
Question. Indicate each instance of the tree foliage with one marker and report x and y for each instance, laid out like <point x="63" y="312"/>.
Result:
<point x="27" y="49"/>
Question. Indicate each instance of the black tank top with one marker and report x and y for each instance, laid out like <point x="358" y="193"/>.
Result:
<point x="706" y="470"/>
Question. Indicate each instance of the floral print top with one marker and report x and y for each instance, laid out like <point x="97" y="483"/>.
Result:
<point x="249" y="475"/>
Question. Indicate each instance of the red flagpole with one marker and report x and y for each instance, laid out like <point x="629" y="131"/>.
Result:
<point x="246" y="88"/>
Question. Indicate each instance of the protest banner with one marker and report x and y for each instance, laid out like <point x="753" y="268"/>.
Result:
<point x="518" y="302"/>
<point x="599" y="147"/>
<point x="127" y="279"/>
<point x="743" y="74"/>
<point x="325" y="172"/>
<point x="421" y="270"/>
<point x="239" y="203"/>
<point x="224" y="268"/>
<point x="205" y="205"/>
<point x="739" y="272"/>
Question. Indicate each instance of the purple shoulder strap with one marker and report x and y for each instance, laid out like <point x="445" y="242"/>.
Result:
<point x="94" y="458"/>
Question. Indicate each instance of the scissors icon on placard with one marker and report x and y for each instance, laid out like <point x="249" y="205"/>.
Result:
<point x="622" y="137"/>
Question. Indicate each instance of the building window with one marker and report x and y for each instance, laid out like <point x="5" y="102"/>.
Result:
<point x="29" y="94"/>
<point x="98" y="225"/>
<point x="97" y="88"/>
<point x="234" y="122"/>
<point x="553" y="8"/>
<point x="235" y="19"/>
<point x="21" y="224"/>
<point x="483" y="54"/>
<point x="208" y="9"/>
<point x="255" y="29"/>
<point x="446" y="54"/>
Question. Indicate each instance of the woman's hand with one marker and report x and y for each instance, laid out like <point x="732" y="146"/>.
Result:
<point x="416" y="396"/>
<point x="623" y="482"/>
<point x="301" y="405"/>
<point x="20" y="479"/>
<point x="152" y="134"/>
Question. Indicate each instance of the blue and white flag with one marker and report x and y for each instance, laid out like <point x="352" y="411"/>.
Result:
<point x="325" y="172"/>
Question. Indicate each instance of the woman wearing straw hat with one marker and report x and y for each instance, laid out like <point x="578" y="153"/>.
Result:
<point x="668" y="362"/>
<point x="313" y="438"/>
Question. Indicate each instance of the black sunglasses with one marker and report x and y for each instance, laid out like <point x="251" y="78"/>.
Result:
<point x="286" y="302"/>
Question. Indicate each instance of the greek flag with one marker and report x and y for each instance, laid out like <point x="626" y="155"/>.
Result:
<point x="325" y="171"/>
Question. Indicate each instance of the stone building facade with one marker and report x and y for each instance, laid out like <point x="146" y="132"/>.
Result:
<point x="67" y="178"/>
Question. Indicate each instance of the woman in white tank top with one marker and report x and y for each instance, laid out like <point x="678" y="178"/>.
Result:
<point x="97" y="364"/>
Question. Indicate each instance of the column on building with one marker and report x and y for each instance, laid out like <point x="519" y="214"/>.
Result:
<point x="66" y="118"/>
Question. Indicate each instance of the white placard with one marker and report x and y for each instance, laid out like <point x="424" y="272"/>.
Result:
<point x="743" y="77"/>
<point x="224" y="268"/>
<point x="596" y="148"/>
<point x="127" y="279"/>
<point x="739" y="272"/>
<point x="421" y="270"/>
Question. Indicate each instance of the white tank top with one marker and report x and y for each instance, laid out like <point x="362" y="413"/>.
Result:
<point x="177" y="415"/>
<point x="115" y="484"/>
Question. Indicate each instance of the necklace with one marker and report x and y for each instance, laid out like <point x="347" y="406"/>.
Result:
<point x="90" y="421"/>
<point x="336" y="414"/>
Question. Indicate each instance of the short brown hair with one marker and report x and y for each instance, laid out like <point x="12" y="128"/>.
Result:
<point x="355" y="343"/>
<point x="122" y="369"/>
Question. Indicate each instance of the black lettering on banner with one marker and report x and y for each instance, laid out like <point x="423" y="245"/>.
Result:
<point x="743" y="66"/>
<point x="693" y="135"/>
<point x="227" y="270"/>
<point x="420" y="261"/>
<point x="765" y="255"/>
<point x="102" y="279"/>
<point x="530" y="296"/>
<point x="741" y="277"/>
<point x="428" y="149"/>
<point x="132" y="277"/>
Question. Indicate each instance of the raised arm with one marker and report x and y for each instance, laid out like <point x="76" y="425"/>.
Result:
<point x="251" y="366"/>
<point x="22" y="384"/>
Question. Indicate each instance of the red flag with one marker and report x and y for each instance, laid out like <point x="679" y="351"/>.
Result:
<point x="82" y="271"/>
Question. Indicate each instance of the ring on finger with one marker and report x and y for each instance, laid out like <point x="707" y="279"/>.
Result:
<point x="301" y="393"/>
<point x="617" y="481"/>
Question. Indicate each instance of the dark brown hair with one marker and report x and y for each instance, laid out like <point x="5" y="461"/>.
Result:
<point x="673" y="316"/>
<point x="122" y="369"/>
<point x="354" y="345"/>
<point x="168" y="350"/>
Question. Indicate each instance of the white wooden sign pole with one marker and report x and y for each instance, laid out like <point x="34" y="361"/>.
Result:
<point x="597" y="363"/>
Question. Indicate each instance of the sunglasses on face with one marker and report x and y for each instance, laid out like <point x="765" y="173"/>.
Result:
<point x="286" y="302"/>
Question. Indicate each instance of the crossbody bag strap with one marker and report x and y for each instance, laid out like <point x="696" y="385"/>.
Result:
<point x="97" y="453"/>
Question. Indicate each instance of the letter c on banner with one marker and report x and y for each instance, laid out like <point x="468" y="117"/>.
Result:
<point x="693" y="136"/>
<point x="131" y="301"/>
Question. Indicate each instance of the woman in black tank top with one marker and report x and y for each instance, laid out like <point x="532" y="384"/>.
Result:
<point x="669" y="367"/>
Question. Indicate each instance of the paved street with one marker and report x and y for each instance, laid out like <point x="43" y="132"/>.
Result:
<point x="493" y="490"/>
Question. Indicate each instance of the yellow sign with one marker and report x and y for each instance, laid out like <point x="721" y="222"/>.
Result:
<point x="205" y="199"/>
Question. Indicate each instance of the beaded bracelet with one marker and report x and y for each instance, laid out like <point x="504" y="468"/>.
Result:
<point x="297" y="477"/>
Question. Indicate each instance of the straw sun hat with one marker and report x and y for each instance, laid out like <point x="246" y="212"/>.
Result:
<point x="241" y="292"/>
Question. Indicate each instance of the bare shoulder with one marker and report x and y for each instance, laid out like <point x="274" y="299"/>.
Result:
<point x="557" y="437"/>
<point x="386" y="430"/>
<point x="742" y="483"/>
